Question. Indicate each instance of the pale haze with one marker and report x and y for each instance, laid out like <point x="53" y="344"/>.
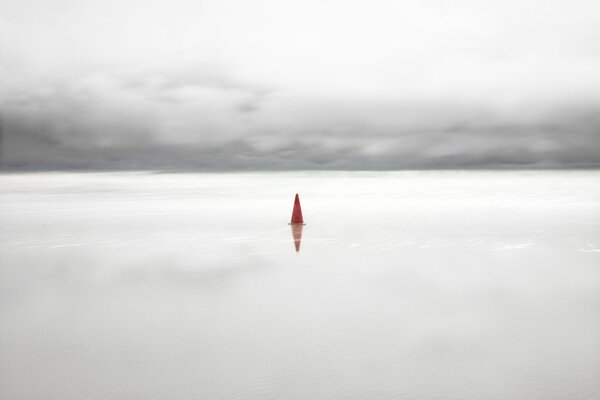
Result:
<point x="268" y="84"/>
<point x="445" y="157"/>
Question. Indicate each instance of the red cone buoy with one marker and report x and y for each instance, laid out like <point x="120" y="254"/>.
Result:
<point x="297" y="213"/>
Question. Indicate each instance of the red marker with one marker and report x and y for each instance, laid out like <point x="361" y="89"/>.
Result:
<point x="297" y="213"/>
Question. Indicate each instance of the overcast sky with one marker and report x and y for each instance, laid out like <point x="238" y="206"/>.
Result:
<point x="277" y="84"/>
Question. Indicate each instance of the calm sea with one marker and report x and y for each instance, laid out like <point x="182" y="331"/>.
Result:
<point x="406" y="285"/>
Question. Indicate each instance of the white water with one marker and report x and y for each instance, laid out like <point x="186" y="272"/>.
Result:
<point x="416" y="285"/>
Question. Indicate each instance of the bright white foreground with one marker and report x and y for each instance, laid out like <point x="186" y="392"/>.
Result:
<point x="414" y="285"/>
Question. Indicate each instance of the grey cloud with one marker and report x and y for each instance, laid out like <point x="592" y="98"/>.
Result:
<point x="96" y="137"/>
<point x="280" y="85"/>
<point x="177" y="119"/>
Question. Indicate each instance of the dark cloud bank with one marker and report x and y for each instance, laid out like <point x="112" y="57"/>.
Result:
<point x="105" y="124"/>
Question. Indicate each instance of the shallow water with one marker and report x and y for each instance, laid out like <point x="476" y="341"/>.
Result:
<point x="428" y="285"/>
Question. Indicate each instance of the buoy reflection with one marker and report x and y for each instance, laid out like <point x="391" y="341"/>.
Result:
<point x="297" y="234"/>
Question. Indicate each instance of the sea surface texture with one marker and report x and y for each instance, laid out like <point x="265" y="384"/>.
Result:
<point x="406" y="285"/>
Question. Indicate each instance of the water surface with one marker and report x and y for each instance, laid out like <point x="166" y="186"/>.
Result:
<point x="428" y="285"/>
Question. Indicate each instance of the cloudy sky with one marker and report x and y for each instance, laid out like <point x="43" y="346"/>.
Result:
<point x="311" y="84"/>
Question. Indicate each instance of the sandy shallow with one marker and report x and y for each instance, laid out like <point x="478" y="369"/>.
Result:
<point x="428" y="285"/>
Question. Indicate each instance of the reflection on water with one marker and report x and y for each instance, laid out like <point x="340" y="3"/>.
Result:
<point x="297" y="235"/>
<point x="447" y="285"/>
